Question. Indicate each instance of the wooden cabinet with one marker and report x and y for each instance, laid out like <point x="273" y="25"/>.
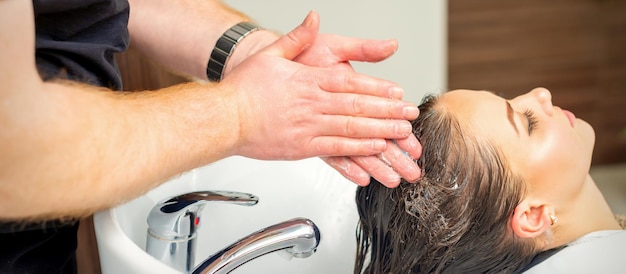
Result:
<point x="575" y="48"/>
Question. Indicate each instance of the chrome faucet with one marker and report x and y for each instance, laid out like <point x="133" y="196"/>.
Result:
<point x="172" y="234"/>
<point x="298" y="237"/>
<point x="173" y="224"/>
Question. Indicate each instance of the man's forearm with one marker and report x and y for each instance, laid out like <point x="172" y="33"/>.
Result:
<point x="75" y="149"/>
<point x="155" y="29"/>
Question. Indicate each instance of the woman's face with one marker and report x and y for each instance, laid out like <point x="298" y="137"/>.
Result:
<point x="547" y="146"/>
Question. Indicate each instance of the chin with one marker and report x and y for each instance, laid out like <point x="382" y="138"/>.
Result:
<point x="587" y="135"/>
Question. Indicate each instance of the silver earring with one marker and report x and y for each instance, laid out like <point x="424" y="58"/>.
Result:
<point x="553" y="219"/>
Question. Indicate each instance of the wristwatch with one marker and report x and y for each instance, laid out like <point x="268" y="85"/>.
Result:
<point x="225" y="46"/>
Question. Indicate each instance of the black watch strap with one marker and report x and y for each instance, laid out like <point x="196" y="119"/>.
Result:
<point x="225" y="46"/>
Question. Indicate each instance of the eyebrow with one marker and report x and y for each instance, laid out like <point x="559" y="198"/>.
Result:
<point x="509" y="115"/>
<point x="509" y="112"/>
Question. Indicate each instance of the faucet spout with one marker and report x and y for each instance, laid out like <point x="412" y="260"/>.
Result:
<point x="299" y="237"/>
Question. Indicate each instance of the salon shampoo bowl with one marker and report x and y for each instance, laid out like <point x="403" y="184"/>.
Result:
<point x="286" y="189"/>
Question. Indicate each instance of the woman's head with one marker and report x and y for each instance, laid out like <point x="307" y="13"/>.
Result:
<point x="473" y="209"/>
<point x="544" y="144"/>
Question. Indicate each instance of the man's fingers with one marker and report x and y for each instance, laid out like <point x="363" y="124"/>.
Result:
<point x="293" y="43"/>
<point x="328" y="146"/>
<point x="363" y="50"/>
<point x="403" y="164"/>
<point x="347" y="81"/>
<point x="390" y="166"/>
<point x="361" y="127"/>
<point x="359" y="170"/>
<point x="411" y="146"/>
<point x="368" y="106"/>
<point x="387" y="167"/>
<point x="349" y="169"/>
<point x="378" y="169"/>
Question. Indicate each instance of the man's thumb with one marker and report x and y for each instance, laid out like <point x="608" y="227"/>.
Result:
<point x="293" y="43"/>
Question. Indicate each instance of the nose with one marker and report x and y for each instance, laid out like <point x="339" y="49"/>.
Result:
<point x="543" y="95"/>
<point x="538" y="97"/>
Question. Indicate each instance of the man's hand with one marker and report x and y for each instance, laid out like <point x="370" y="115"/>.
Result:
<point x="292" y="111"/>
<point x="387" y="167"/>
<point x="336" y="52"/>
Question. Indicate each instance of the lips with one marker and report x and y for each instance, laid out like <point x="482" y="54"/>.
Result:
<point x="570" y="116"/>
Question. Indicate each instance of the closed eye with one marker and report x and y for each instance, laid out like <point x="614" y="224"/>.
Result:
<point x="532" y="120"/>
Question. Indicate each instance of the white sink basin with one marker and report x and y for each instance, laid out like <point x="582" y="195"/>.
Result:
<point x="286" y="190"/>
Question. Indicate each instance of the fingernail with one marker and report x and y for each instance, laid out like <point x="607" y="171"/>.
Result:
<point x="416" y="173"/>
<point x="404" y="129"/>
<point x="364" y="180"/>
<point x="410" y="112"/>
<point x="396" y="92"/>
<point x="308" y="21"/>
<point x="394" y="43"/>
<point x="417" y="178"/>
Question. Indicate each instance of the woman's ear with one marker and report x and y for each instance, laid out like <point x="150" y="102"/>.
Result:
<point x="531" y="220"/>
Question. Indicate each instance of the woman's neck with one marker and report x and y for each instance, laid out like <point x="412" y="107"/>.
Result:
<point x="588" y="213"/>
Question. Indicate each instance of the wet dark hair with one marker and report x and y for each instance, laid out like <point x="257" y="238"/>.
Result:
<point x="455" y="219"/>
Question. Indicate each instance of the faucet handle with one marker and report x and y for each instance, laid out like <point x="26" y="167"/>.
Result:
<point x="176" y="218"/>
<point x="197" y="199"/>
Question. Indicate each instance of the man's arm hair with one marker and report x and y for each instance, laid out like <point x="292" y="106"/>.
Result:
<point x="68" y="149"/>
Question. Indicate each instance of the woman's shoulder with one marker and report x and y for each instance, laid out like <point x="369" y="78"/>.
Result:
<point x="596" y="252"/>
